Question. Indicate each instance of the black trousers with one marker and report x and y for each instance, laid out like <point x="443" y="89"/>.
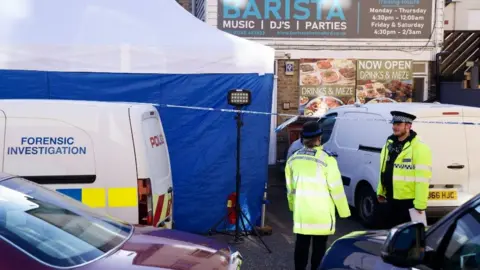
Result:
<point x="302" y="250"/>
<point x="398" y="212"/>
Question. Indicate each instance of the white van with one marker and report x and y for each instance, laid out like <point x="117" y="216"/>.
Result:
<point x="360" y="131"/>
<point x="110" y="156"/>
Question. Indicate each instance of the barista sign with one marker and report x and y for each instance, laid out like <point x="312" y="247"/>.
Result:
<point x="372" y="19"/>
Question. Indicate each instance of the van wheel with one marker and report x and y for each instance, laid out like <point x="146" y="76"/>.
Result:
<point x="366" y="204"/>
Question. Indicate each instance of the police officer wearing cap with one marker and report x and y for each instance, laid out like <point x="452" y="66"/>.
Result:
<point x="406" y="170"/>
<point x="314" y="190"/>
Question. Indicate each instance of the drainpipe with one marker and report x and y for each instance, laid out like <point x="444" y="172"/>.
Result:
<point x="438" y="62"/>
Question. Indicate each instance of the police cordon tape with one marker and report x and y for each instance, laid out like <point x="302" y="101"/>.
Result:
<point x="295" y="117"/>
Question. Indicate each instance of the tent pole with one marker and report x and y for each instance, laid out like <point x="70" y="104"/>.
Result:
<point x="264" y="206"/>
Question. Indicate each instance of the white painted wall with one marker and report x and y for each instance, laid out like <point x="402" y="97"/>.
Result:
<point x="416" y="54"/>
<point x="463" y="15"/>
<point x="272" y="148"/>
<point x="419" y="50"/>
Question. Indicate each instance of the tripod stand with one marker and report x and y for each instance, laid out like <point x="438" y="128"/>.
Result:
<point x="240" y="215"/>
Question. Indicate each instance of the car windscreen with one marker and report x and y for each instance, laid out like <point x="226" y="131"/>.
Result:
<point x="53" y="228"/>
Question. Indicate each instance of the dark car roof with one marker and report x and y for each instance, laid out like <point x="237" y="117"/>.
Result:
<point x="357" y="246"/>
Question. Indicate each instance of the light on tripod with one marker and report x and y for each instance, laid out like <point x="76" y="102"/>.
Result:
<point x="239" y="97"/>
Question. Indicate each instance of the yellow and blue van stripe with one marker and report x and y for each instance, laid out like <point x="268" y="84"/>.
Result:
<point x="103" y="197"/>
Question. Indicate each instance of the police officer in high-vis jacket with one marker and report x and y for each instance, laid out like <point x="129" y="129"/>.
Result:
<point x="405" y="171"/>
<point x="314" y="189"/>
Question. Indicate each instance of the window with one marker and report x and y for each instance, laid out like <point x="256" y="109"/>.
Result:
<point x="361" y="128"/>
<point x="437" y="231"/>
<point x="54" y="228"/>
<point x="435" y="238"/>
<point x="420" y="67"/>
<point x="327" y="124"/>
<point x="199" y="9"/>
<point x="463" y="248"/>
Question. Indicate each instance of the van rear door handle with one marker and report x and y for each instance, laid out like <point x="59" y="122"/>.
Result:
<point x="456" y="166"/>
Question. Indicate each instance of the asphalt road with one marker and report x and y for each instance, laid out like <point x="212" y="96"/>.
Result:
<point x="282" y="240"/>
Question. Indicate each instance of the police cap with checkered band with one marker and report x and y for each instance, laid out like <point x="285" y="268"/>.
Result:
<point x="401" y="117"/>
<point x="311" y="129"/>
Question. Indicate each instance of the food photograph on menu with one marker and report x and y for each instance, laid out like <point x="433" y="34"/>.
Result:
<point x="326" y="84"/>
<point x="381" y="81"/>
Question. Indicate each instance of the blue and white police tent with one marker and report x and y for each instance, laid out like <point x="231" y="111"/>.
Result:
<point x="151" y="51"/>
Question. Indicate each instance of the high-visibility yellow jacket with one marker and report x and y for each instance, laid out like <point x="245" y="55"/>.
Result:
<point x="314" y="189"/>
<point x="412" y="171"/>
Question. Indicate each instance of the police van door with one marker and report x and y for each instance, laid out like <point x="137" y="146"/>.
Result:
<point x="447" y="141"/>
<point x="472" y="133"/>
<point x="3" y="119"/>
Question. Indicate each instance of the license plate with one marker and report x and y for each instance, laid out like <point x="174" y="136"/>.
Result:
<point x="438" y="195"/>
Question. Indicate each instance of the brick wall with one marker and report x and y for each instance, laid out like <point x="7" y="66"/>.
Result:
<point x="186" y="4"/>
<point x="287" y="92"/>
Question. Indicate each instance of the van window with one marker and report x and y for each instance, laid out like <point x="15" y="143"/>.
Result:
<point x="359" y="128"/>
<point x="54" y="228"/>
<point x="327" y="124"/>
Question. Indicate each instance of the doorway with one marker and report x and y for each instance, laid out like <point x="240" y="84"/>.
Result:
<point x="419" y="89"/>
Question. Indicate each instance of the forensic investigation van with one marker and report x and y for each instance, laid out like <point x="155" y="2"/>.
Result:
<point x="358" y="133"/>
<point x="110" y="156"/>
